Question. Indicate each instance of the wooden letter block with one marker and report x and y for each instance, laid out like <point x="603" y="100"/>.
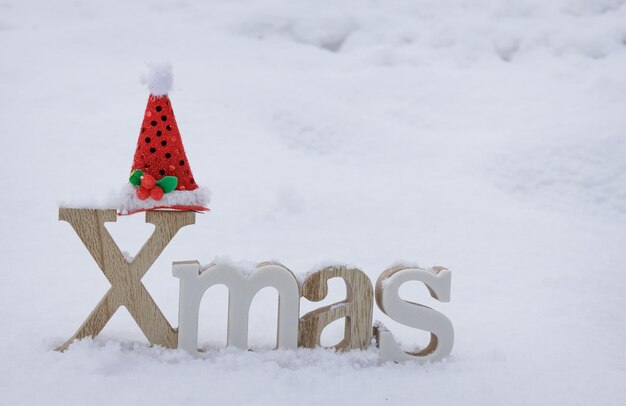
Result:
<point x="356" y="308"/>
<point x="241" y="290"/>
<point x="125" y="278"/>
<point x="438" y="281"/>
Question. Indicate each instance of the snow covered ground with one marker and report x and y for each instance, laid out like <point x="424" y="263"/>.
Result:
<point x="486" y="136"/>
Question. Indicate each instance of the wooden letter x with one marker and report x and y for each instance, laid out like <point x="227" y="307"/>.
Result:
<point x="125" y="278"/>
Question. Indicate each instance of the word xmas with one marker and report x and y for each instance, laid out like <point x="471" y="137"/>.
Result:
<point x="293" y="331"/>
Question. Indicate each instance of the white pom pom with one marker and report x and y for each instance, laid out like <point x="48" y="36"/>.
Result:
<point x="159" y="78"/>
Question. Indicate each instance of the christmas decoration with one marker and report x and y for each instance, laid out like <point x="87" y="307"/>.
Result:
<point x="161" y="176"/>
<point x="292" y="330"/>
<point x="161" y="183"/>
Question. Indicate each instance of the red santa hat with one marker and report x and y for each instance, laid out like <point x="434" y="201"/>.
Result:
<point x="161" y="176"/>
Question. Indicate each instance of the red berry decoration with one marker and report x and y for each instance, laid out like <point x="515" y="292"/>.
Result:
<point x="156" y="193"/>
<point x="142" y="193"/>
<point x="147" y="181"/>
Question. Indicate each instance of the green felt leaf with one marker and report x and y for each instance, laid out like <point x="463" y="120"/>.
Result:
<point x="168" y="183"/>
<point x="135" y="177"/>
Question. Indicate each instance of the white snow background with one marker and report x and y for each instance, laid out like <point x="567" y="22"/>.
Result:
<point x="488" y="137"/>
